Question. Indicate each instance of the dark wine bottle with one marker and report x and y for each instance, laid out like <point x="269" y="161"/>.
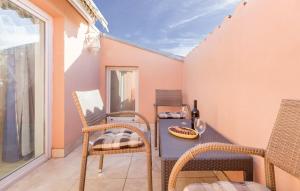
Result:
<point x="194" y="114"/>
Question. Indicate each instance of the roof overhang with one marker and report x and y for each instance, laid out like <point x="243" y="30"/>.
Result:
<point x="89" y="11"/>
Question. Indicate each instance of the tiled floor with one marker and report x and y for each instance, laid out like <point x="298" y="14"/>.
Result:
<point x="126" y="172"/>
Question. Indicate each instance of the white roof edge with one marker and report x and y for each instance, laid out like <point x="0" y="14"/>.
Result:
<point x="169" y="55"/>
<point x="89" y="11"/>
<point x="99" y="15"/>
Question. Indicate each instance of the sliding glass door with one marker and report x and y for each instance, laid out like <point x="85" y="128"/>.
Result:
<point x="22" y="87"/>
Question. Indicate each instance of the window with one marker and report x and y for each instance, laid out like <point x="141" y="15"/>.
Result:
<point x="122" y="89"/>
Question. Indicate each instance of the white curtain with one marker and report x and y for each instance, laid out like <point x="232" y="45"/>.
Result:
<point x="19" y="39"/>
<point x="18" y="117"/>
<point x="24" y="110"/>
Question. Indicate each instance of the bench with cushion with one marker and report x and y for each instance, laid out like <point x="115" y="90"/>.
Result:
<point x="168" y="98"/>
<point x="283" y="151"/>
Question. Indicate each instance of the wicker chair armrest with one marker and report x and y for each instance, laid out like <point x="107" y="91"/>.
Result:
<point x="103" y="127"/>
<point x="202" y="148"/>
<point x="123" y="113"/>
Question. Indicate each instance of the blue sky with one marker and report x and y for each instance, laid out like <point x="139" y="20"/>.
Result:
<point x="174" y="26"/>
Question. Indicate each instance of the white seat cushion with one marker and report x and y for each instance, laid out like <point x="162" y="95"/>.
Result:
<point x="226" y="186"/>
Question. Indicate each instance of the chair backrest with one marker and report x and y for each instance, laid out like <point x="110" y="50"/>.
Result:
<point x="284" y="145"/>
<point x="90" y="107"/>
<point x="168" y="97"/>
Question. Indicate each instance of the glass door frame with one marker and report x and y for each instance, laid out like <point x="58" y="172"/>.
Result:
<point x="108" y="69"/>
<point x="42" y="15"/>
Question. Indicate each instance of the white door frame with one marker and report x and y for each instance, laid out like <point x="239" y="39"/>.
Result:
<point x="108" y="82"/>
<point x="18" y="173"/>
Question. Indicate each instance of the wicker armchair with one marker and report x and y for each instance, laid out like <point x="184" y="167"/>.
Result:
<point x="90" y="108"/>
<point x="283" y="150"/>
<point x="169" y="98"/>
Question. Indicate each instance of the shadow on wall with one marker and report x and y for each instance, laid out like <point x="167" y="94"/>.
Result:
<point x="74" y="68"/>
<point x="94" y="116"/>
<point x="82" y="74"/>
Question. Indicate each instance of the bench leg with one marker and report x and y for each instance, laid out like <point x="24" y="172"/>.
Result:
<point x="155" y="126"/>
<point x="248" y="175"/>
<point x="155" y="134"/>
<point x="166" y="168"/>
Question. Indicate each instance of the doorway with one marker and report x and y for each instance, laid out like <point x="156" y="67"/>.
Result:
<point x="122" y="91"/>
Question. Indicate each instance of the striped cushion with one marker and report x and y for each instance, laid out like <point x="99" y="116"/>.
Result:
<point x="117" y="139"/>
<point x="226" y="186"/>
<point x="171" y="115"/>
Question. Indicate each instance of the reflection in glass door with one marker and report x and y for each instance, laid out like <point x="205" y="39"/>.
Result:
<point x="22" y="81"/>
<point x="122" y="90"/>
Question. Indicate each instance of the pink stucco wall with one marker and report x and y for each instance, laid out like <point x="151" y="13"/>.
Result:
<point x="155" y="71"/>
<point x="81" y="72"/>
<point x="242" y="71"/>
<point x="74" y="68"/>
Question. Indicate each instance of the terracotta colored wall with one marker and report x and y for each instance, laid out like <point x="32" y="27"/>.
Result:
<point x="81" y="72"/>
<point x="74" y="67"/>
<point x="155" y="71"/>
<point x="242" y="71"/>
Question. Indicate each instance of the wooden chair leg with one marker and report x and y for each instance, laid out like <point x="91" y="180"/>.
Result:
<point x="83" y="161"/>
<point x="101" y="160"/>
<point x="149" y="164"/>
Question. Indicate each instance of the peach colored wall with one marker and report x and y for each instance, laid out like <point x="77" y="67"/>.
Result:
<point x="242" y="71"/>
<point x="155" y="71"/>
<point x="81" y="72"/>
<point x="74" y="67"/>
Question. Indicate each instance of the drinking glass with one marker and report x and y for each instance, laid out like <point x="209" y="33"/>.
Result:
<point x="200" y="126"/>
<point x="184" y="112"/>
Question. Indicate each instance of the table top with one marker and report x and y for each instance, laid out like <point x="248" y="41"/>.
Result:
<point x="172" y="147"/>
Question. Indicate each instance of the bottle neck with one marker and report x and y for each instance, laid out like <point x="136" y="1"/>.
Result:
<point x="195" y="103"/>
